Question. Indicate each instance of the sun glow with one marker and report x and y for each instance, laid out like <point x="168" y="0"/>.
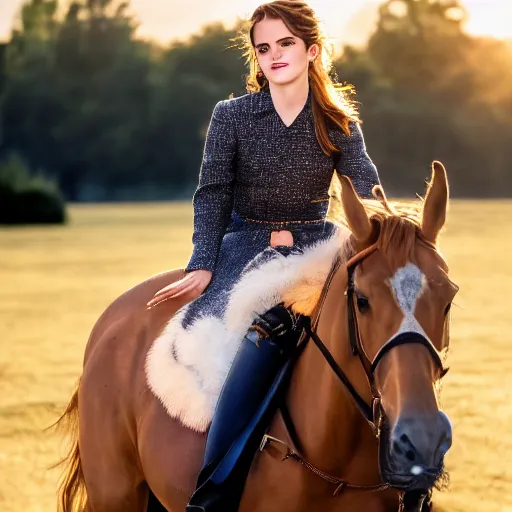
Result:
<point x="345" y="21"/>
<point x="490" y="18"/>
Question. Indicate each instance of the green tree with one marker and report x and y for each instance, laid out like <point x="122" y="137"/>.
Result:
<point x="113" y="116"/>
<point x="104" y="89"/>
<point x="192" y="76"/>
<point x="432" y="103"/>
<point x="29" y="103"/>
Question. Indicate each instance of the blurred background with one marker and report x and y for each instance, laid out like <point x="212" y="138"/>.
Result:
<point x="104" y="107"/>
<point x="111" y="100"/>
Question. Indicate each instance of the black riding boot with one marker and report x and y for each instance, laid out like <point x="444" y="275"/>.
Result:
<point x="245" y="407"/>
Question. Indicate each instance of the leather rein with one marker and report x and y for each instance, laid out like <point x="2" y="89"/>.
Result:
<point x="372" y="413"/>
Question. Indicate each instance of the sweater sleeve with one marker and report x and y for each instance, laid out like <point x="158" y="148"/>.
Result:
<point x="213" y="198"/>
<point x="355" y="163"/>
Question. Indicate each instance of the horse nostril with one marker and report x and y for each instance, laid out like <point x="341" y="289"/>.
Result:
<point x="403" y="446"/>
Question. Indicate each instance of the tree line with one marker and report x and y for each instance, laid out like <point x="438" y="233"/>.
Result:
<point x="110" y="116"/>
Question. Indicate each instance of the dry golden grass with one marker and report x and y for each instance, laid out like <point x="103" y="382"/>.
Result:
<point x="55" y="282"/>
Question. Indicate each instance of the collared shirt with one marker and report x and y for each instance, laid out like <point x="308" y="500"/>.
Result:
<point x="257" y="167"/>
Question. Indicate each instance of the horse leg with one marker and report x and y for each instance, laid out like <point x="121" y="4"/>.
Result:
<point x="112" y="481"/>
<point x="125" y="498"/>
<point x="109" y="460"/>
<point x="171" y="455"/>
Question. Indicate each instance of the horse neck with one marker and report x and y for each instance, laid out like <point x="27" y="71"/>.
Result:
<point x="331" y="431"/>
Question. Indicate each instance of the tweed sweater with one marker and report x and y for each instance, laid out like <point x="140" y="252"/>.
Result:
<point x="256" y="167"/>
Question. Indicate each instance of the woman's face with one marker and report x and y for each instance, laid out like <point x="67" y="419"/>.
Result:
<point x="282" y="57"/>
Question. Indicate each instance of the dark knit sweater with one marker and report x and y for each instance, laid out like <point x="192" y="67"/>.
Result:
<point x="256" y="167"/>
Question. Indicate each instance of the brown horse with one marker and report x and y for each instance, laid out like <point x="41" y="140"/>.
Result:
<point x="360" y="424"/>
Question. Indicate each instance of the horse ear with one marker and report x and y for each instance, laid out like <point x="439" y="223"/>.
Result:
<point x="436" y="203"/>
<point x="355" y="213"/>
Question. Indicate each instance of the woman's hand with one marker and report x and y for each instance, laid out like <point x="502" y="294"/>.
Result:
<point x="195" y="281"/>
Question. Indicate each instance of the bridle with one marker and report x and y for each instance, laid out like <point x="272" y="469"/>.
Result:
<point x="372" y="413"/>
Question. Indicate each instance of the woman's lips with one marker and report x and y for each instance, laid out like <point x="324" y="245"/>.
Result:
<point x="279" y="66"/>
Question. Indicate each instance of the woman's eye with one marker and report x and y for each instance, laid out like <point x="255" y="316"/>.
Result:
<point x="284" y="43"/>
<point x="363" y="304"/>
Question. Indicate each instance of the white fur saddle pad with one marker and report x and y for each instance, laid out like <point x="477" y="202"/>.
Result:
<point x="186" y="367"/>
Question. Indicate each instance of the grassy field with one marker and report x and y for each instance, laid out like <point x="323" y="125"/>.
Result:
<point x="55" y="282"/>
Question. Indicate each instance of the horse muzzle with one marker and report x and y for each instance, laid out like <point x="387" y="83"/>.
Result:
<point x="411" y="454"/>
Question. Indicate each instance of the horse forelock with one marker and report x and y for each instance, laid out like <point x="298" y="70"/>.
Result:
<point x="397" y="229"/>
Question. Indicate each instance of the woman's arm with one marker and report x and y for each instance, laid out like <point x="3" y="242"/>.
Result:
<point x="355" y="163"/>
<point x="213" y="198"/>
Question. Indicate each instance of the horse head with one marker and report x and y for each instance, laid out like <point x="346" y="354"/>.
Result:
<point x="388" y="305"/>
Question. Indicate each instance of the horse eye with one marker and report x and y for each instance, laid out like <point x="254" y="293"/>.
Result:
<point x="447" y="309"/>
<point x="363" y="304"/>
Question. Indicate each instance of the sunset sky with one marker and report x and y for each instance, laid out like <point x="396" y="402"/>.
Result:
<point x="349" y="20"/>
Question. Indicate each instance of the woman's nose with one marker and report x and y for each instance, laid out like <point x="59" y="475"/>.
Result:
<point x="276" y="54"/>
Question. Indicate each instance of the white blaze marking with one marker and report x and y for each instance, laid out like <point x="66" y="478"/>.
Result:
<point x="407" y="285"/>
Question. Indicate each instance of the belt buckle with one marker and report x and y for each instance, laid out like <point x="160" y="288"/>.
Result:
<point x="264" y="442"/>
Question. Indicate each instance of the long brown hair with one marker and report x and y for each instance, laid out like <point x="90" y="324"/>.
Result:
<point x="330" y="101"/>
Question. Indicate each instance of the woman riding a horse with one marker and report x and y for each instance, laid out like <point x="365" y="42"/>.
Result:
<point x="262" y="199"/>
<point x="264" y="181"/>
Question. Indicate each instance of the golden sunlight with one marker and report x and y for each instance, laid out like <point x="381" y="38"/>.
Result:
<point x="490" y="18"/>
<point x="346" y="21"/>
